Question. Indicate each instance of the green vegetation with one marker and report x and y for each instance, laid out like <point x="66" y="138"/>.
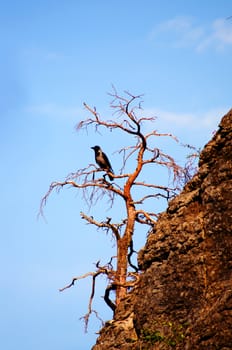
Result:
<point x="175" y="334"/>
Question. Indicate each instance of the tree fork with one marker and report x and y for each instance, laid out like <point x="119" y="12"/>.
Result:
<point x="125" y="241"/>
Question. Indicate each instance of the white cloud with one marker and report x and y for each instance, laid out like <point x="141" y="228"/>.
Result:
<point x="219" y="37"/>
<point x="191" y="120"/>
<point x="207" y="120"/>
<point x="41" y="54"/>
<point x="184" y="32"/>
<point x="223" y="31"/>
<point x="56" y="111"/>
<point x="193" y="128"/>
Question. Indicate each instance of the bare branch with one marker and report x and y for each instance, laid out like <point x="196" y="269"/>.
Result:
<point x="155" y="133"/>
<point x="164" y="188"/>
<point x="97" y="122"/>
<point x="127" y="156"/>
<point x="148" y="217"/>
<point x="77" y="279"/>
<point x="105" y="270"/>
<point x="131" y="252"/>
<point x="106" y="188"/>
<point x="190" y="168"/>
<point x="155" y="195"/>
<point x="104" y="224"/>
<point x="122" y="107"/>
<point x="156" y="153"/>
<point x="111" y="287"/>
<point x="87" y="315"/>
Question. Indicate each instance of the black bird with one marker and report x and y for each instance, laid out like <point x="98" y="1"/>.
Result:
<point x="103" y="161"/>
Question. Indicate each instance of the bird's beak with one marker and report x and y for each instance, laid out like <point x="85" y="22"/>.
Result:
<point x="92" y="147"/>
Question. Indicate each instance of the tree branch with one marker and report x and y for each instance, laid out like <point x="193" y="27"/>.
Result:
<point x="90" y="310"/>
<point x="100" y="270"/>
<point x="148" y="216"/>
<point x="111" y="287"/>
<point x="156" y="195"/>
<point x="104" y="224"/>
<point x="131" y="252"/>
<point x="102" y="184"/>
<point x="157" y="187"/>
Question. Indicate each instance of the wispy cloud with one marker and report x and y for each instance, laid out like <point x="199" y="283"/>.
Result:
<point x="39" y="53"/>
<point x="207" y="120"/>
<point x="55" y="111"/>
<point x="220" y="36"/>
<point x="184" y="32"/>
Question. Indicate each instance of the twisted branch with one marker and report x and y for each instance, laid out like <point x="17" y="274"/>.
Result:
<point x="105" y="270"/>
<point x="104" y="224"/>
<point x="131" y="252"/>
<point x="148" y="217"/>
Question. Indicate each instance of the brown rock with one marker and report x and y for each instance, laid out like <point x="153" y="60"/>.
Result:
<point x="184" y="297"/>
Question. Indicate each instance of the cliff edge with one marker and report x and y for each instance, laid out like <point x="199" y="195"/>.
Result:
<point x="184" y="297"/>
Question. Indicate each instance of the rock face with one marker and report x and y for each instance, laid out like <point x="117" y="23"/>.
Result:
<point x="184" y="297"/>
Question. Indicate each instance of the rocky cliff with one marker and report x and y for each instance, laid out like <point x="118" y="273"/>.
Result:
<point x="184" y="297"/>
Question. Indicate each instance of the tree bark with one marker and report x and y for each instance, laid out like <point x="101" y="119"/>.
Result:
<point x="122" y="254"/>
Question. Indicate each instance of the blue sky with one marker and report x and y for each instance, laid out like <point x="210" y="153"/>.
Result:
<point x="54" y="56"/>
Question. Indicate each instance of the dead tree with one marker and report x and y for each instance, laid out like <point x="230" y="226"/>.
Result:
<point x="127" y="107"/>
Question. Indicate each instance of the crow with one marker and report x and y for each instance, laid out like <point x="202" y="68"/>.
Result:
<point x="102" y="160"/>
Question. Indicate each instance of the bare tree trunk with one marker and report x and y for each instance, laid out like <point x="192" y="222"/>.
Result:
<point x="122" y="254"/>
<point x="121" y="273"/>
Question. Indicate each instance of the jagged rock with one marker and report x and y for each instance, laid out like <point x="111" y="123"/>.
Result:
<point x="184" y="298"/>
